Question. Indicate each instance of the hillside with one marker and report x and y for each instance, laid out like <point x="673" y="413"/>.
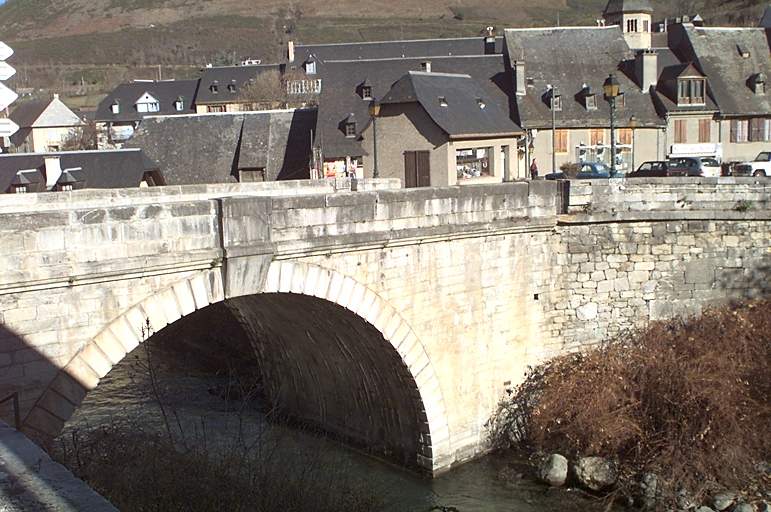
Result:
<point x="83" y="47"/>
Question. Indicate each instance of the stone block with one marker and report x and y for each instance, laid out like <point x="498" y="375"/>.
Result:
<point x="110" y="346"/>
<point x="96" y="359"/>
<point x="700" y="271"/>
<point x="82" y="373"/>
<point x="68" y="388"/>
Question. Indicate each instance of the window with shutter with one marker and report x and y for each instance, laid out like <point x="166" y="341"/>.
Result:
<point x="705" y="130"/>
<point x="561" y="141"/>
<point x="681" y="133"/>
<point x="596" y="136"/>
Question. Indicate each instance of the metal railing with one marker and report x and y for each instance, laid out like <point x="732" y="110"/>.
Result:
<point x="16" y="410"/>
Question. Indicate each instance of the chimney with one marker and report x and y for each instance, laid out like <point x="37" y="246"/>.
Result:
<point x="56" y="96"/>
<point x="490" y="41"/>
<point x="646" y="69"/>
<point x="290" y="51"/>
<point x="519" y="77"/>
<point x="426" y="66"/>
<point x="53" y="171"/>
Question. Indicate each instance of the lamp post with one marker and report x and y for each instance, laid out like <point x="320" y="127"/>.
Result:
<point x="554" y="101"/>
<point x="374" y="111"/>
<point x="612" y="89"/>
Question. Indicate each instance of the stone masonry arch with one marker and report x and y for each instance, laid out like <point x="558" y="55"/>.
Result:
<point x="98" y="356"/>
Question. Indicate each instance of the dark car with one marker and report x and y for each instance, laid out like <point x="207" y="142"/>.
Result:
<point x="653" y="169"/>
<point x="694" y="167"/>
<point x="595" y="170"/>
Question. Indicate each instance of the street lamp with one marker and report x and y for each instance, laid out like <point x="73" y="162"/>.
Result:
<point x="554" y="102"/>
<point x="374" y="111"/>
<point x="612" y="89"/>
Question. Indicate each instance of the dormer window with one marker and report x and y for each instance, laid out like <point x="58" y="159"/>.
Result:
<point x="620" y="100"/>
<point x="366" y="92"/>
<point x="179" y="104"/>
<point x="690" y="91"/>
<point x="759" y="84"/>
<point x="115" y="108"/>
<point x="20" y="189"/>
<point x="442" y="101"/>
<point x="147" y="103"/>
<point x="350" y="129"/>
<point x="744" y="52"/>
<point x="310" y="67"/>
<point x="232" y="88"/>
<point x="214" y="87"/>
<point x="591" y="102"/>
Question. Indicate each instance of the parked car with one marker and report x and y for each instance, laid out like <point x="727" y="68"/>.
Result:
<point x="596" y="170"/>
<point x="761" y="166"/>
<point x="700" y="166"/>
<point x="653" y="169"/>
<point x="559" y="175"/>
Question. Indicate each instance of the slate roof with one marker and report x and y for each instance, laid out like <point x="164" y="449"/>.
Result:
<point x="765" y="21"/>
<point x="99" y="169"/>
<point x="569" y="58"/>
<point x="715" y="51"/>
<point x="165" y="91"/>
<point x="211" y="148"/>
<point x="340" y="91"/>
<point x="238" y="76"/>
<point x="414" y="48"/>
<point x="455" y="102"/>
<point x="665" y="93"/>
<point x="627" y="6"/>
<point x="44" y="113"/>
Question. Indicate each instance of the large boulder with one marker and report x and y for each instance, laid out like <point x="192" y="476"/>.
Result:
<point x="596" y="473"/>
<point x="553" y="470"/>
<point x="723" y="500"/>
<point x="744" y="507"/>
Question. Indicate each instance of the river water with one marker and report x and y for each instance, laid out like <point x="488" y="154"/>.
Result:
<point x="198" y="412"/>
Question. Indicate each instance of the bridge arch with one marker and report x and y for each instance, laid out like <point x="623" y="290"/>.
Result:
<point x="284" y="279"/>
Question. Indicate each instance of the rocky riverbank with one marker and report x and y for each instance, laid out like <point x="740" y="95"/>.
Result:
<point x="676" y="417"/>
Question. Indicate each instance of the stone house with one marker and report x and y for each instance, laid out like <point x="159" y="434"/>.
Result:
<point x="44" y="125"/>
<point x="735" y="65"/>
<point x="439" y="129"/>
<point x="558" y="75"/>
<point x="122" y="111"/>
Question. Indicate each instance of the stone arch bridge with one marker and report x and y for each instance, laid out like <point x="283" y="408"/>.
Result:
<point x="395" y="319"/>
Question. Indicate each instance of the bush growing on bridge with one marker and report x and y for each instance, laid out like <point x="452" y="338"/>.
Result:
<point x="684" y="399"/>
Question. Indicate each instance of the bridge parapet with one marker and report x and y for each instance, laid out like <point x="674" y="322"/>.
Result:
<point x="90" y="198"/>
<point x="654" y="198"/>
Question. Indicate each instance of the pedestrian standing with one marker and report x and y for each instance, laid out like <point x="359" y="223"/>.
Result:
<point x="534" y="170"/>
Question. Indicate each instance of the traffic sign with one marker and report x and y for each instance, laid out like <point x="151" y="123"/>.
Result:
<point x="6" y="71"/>
<point x="8" y="128"/>
<point x="7" y="97"/>
<point x="5" y="51"/>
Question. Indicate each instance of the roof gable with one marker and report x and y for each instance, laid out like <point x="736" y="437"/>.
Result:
<point x="45" y="114"/>
<point x="146" y="98"/>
